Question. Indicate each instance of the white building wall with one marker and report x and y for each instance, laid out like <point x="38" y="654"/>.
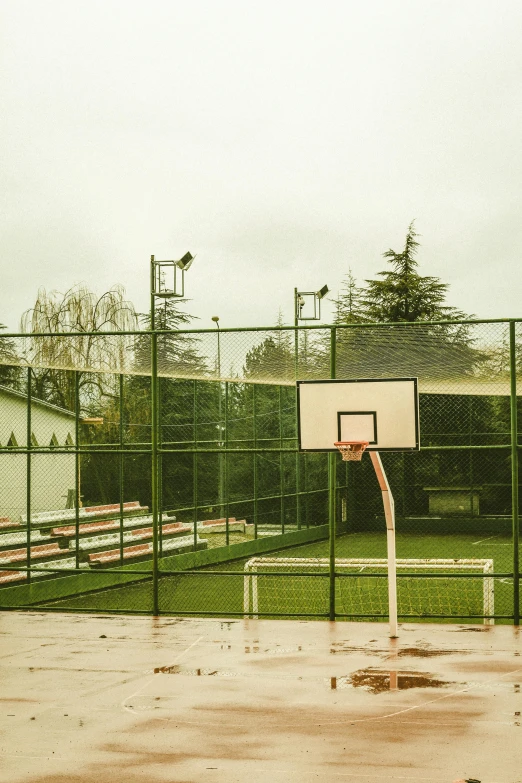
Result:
<point x="52" y="475"/>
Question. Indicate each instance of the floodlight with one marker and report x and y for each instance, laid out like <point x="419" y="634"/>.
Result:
<point x="185" y="262"/>
<point x="322" y="292"/>
<point x="215" y="318"/>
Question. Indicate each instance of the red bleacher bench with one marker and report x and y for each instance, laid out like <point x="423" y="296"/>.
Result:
<point x="46" y="519"/>
<point x="84" y="528"/>
<point x="37" y="552"/>
<point x="144" y="550"/>
<point x="173" y="527"/>
<point x="112" y="507"/>
<point x="110" y="555"/>
<point x="12" y="576"/>
<point x="6" y="522"/>
<point x="217" y="521"/>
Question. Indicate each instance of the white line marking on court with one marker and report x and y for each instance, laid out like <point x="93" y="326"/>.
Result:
<point x="149" y="680"/>
<point x="373" y="776"/>
<point x="352" y="721"/>
<point x="483" y="539"/>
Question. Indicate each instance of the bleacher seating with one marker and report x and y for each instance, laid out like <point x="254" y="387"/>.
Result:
<point x="50" y="518"/>
<point x="141" y="534"/>
<point x="20" y="537"/>
<point x="7" y="577"/>
<point x="37" y="553"/>
<point x="87" y="528"/>
<point x="138" y="551"/>
<point x="220" y="526"/>
<point x="99" y="531"/>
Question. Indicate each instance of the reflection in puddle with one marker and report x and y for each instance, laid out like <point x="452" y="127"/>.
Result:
<point x="176" y="669"/>
<point x="378" y="681"/>
<point x="425" y="652"/>
<point x="273" y="651"/>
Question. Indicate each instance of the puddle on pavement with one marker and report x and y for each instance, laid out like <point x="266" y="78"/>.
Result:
<point x="373" y="680"/>
<point x="273" y="650"/>
<point x="379" y="681"/>
<point x="175" y="669"/>
<point x="404" y="652"/>
<point x="425" y="652"/>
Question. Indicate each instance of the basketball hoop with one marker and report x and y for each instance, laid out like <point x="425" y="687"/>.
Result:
<point x="351" y="450"/>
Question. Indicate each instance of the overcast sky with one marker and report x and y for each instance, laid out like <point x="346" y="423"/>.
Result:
<point x="282" y="142"/>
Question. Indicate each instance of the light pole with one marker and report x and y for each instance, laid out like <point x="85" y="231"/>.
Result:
<point x="164" y="284"/>
<point x="300" y="298"/>
<point x="220" y="427"/>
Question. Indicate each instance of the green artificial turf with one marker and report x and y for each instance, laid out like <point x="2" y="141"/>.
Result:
<point x="200" y="592"/>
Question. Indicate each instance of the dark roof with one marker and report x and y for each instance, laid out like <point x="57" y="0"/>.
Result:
<point x="36" y="401"/>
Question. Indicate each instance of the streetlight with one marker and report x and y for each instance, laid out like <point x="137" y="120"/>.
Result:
<point x="164" y="284"/>
<point x="300" y="298"/>
<point x="165" y="276"/>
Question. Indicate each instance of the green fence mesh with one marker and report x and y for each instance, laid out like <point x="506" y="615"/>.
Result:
<point x="96" y="514"/>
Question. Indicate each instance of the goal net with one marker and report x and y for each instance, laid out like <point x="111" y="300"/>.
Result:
<point x="428" y="588"/>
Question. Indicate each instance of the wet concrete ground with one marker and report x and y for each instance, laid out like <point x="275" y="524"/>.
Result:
<point x="137" y="699"/>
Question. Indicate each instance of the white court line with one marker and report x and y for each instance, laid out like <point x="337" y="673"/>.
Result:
<point x="483" y="539"/>
<point x="359" y="775"/>
<point x="352" y="721"/>
<point x="176" y="659"/>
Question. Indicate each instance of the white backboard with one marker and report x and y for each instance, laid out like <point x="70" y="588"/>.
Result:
<point x="384" y="412"/>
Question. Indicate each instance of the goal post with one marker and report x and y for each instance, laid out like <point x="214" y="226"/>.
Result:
<point x="437" y="587"/>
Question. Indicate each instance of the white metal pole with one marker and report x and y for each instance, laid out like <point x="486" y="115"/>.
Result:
<point x="246" y="592"/>
<point x="389" y="513"/>
<point x="254" y="593"/>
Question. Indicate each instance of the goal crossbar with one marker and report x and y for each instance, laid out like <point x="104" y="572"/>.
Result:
<point x="304" y="566"/>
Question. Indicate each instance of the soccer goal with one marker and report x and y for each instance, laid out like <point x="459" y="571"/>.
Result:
<point x="429" y="587"/>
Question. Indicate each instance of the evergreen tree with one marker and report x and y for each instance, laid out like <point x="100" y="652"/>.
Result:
<point x="349" y="308"/>
<point x="273" y="359"/>
<point x="402" y="294"/>
<point x="10" y="373"/>
<point x="177" y="353"/>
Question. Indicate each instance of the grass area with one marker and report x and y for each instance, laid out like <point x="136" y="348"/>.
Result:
<point x="222" y="593"/>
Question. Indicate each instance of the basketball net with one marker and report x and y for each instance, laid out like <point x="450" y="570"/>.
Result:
<point x="351" y="450"/>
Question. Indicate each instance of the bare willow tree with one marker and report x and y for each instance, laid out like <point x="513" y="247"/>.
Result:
<point x="53" y="351"/>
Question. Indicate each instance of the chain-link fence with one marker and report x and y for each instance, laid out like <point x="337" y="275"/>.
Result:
<point x="126" y="490"/>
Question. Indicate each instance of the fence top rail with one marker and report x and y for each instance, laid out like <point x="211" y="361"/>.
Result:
<point x="324" y="562"/>
<point x="291" y="328"/>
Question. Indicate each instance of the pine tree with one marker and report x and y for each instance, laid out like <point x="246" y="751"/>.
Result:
<point x="177" y="353"/>
<point x="273" y="358"/>
<point x="402" y="294"/>
<point x="349" y="307"/>
<point x="10" y="373"/>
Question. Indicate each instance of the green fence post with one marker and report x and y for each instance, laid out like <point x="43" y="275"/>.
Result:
<point x="154" y="442"/>
<point x="77" y="465"/>
<point x="514" y="471"/>
<point x="160" y="467"/>
<point x="120" y="476"/>
<point x="297" y="458"/>
<point x="28" y="474"/>
<point x="195" y="469"/>
<point x="281" y="477"/>
<point x="331" y="490"/>
<point x="254" y="409"/>
<point x="227" y="531"/>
